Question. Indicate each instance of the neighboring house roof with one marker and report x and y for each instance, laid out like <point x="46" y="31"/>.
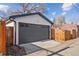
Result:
<point x="16" y="16"/>
<point x="68" y="26"/>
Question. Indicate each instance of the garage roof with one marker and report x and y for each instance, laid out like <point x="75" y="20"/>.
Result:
<point x="16" y="16"/>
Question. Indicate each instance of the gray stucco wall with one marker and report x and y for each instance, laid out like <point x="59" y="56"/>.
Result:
<point x="33" y="19"/>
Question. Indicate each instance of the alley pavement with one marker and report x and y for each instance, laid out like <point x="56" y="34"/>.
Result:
<point x="53" y="48"/>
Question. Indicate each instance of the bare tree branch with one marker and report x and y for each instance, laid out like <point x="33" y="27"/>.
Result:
<point x="26" y="8"/>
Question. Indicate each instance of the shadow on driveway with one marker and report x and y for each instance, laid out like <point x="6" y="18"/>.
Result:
<point x="31" y="48"/>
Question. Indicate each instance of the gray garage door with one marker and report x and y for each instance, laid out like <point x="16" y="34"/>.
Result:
<point x="32" y="33"/>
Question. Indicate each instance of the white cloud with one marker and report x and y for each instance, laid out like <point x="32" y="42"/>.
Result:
<point x="4" y="8"/>
<point x="67" y="6"/>
<point x="54" y="13"/>
<point x="63" y="13"/>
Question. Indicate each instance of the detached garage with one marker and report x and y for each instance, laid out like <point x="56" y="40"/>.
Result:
<point x="30" y="28"/>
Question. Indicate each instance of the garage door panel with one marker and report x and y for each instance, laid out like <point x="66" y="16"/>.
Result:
<point x="31" y="34"/>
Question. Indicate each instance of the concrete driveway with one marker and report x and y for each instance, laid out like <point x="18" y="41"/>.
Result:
<point x="40" y="48"/>
<point x="53" y="48"/>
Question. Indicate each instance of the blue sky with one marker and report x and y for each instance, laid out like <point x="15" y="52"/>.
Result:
<point x="69" y="11"/>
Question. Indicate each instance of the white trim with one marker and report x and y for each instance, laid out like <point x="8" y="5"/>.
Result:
<point x="14" y="35"/>
<point x="17" y="33"/>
